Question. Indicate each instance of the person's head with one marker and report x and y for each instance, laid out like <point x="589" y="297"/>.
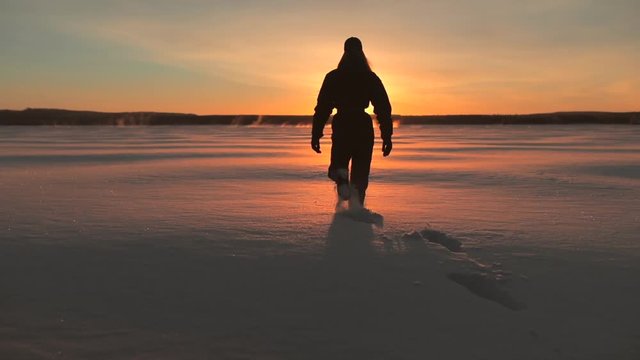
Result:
<point x="353" y="58"/>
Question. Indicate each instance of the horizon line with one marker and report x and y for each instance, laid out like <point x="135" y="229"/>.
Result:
<point x="310" y="114"/>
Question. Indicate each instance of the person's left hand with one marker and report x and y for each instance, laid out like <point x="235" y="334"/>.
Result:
<point x="315" y="145"/>
<point x="387" y="145"/>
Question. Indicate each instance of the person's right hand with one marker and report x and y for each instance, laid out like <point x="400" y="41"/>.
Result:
<point x="387" y="145"/>
<point x="315" y="145"/>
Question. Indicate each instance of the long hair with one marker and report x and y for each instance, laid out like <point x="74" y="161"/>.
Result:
<point x="354" y="59"/>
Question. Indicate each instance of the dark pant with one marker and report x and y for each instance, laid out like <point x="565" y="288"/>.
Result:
<point x="352" y="140"/>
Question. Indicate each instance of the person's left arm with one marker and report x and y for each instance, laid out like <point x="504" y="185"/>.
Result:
<point x="323" y="110"/>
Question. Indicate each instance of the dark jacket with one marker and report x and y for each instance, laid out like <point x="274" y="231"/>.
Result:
<point x="351" y="92"/>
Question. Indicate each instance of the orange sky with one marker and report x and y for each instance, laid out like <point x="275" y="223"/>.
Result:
<point x="269" y="57"/>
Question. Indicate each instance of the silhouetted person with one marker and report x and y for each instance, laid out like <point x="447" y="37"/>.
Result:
<point x="349" y="88"/>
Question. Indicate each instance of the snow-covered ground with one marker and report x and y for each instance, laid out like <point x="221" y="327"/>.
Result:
<point x="498" y="242"/>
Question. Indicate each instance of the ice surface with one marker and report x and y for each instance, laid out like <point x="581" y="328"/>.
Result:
<point x="569" y="187"/>
<point x="193" y="242"/>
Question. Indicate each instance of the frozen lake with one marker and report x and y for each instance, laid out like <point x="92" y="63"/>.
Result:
<point x="225" y="242"/>
<point x="257" y="190"/>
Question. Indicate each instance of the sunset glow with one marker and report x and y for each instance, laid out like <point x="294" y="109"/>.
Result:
<point x="263" y="57"/>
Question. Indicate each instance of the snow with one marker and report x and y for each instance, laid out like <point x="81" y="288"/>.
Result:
<point x="477" y="242"/>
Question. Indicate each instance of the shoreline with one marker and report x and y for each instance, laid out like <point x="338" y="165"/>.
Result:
<point x="40" y="117"/>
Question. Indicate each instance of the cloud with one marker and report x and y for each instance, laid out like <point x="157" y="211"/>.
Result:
<point x="422" y="49"/>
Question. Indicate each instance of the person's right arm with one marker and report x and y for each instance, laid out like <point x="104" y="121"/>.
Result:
<point x="382" y="109"/>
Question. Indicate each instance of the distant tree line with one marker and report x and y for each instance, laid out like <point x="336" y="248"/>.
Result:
<point x="69" y="117"/>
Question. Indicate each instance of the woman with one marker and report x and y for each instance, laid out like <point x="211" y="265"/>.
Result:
<point x="349" y="88"/>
